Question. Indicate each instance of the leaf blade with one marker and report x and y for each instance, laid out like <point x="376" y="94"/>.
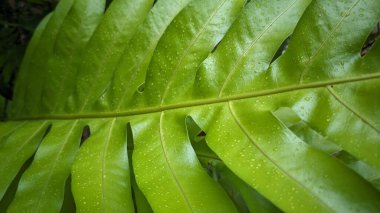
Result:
<point x="179" y="179"/>
<point x="46" y="177"/>
<point x="100" y="174"/>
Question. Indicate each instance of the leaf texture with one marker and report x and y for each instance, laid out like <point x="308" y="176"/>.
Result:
<point x="101" y="181"/>
<point x="196" y="106"/>
<point x="46" y="176"/>
<point x="175" y="169"/>
<point x="18" y="143"/>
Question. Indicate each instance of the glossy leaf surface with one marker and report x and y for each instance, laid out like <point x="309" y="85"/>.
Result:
<point x="196" y="106"/>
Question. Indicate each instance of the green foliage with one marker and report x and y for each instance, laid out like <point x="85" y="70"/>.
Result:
<point x="196" y="106"/>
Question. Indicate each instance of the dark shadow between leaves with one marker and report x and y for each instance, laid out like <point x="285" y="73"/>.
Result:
<point x="370" y="40"/>
<point x="141" y="87"/>
<point x="243" y="196"/>
<point x="320" y="142"/>
<point x="281" y="50"/>
<point x="68" y="205"/>
<point x="11" y="191"/>
<point x="139" y="200"/>
<point x="86" y="133"/>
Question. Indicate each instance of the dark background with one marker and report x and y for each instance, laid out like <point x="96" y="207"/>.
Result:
<point x="18" y="19"/>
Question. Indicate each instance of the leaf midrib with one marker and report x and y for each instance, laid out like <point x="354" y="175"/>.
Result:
<point x="172" y="170"/>
<point x="194" y="103"/>
<point x="53" y="167"/>
<point x="103" y="159"/>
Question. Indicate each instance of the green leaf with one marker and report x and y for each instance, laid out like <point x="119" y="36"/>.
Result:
<point x="335" y="46"/>
<point x="35" y="60"/>
<point x="241" y="192"/>
<point x="245" y="198"/>
<point x="284" y="167"/>
<point x="68" y="31"/>
<point x="100" y="174"/>
<point x="106" y="47"/>
<point x="22" y="76"/>
<point x="197" y="106"/>
<point x="241" y="51"/>
<point x="46" y="177"/>
<point x="19" y="141"/>
<point x="139" y="200"/>
<point x="186" y="43"/>
<point x="12" y="188"/>
<point x="135" y="59"/>
<point x="173" y="166"/>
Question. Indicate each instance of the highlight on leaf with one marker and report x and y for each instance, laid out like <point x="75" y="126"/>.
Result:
<point x="196" y="106"/>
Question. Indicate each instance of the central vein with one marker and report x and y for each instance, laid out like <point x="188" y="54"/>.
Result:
<point x="201" y="102"/>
